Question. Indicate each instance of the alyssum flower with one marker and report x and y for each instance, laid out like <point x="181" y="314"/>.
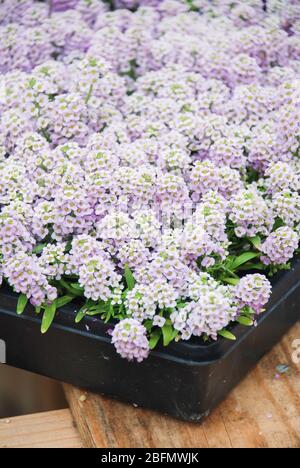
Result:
<point x="149" y="161"/>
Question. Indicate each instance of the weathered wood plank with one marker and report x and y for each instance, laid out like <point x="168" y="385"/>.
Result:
<point x="54" y="429"/>
<point x="263" y="411"/>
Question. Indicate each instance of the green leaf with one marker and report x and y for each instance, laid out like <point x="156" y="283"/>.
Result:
<point x="39" y="249"/>
<point x="233" y="281"/>
<point x="69" y="288"/>
<point x="168" y="334"/>
<point x="109" y="313"/>
<point x="77" y="287"/>
<point x="92" y="313"/>
<point x="22" y="303"/>
<point x="181" y="305"/>
<point x="242" y="259"/>
<point x="278" y="223"/>
<point x="81" y="314"/>
<point x="255" y="241"/>
<point x="89" y="95"/>
<point x="246" y="321"/>
<point x="253" y="266"/>
<point x="248" y="312"/>
<point x="130" y="281"/>
<point x="32" y="82"/>
<point x="62" y="301"/>
<point x="226" y="334"/>
<point x="148" y="324"/>
<point x="48" y="317"/>
<point x="229" y="261"/>
<point x="38" y="310"/>
<point x="154" y="338"/>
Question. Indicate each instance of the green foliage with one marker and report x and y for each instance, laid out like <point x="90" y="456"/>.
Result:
<point x="246" y="321"/>
<point x="91" y="308"/>
<point x="232" y="281"/>
<point x="64" y="300"/>
<point x="154" y="338"/>
<point x="234" y="263"/>
<point x="227" y="334"/>
<point x="168" y="332"/>
<point x="81" y="314"/>
<point x="22" y="303"/>
<point x="244" y="256"/>
<point x="39" y="249"/>
<point x="255" y="241"/>
<point x="130" y="281"/>
<point x="48" y="317"/>
<point x="73" y="289"/>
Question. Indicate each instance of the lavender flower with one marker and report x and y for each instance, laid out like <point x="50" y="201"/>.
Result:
<point x="145" y="299"/>
<point x="282" y="176"/>
<point x="286" y="206"/>
<point x="253" y="291"/>
<point x="100" y="280"/>
<point x="279" y="246"/>
<point x="62" y="5"/>
<point x="25" y="275"/>
<point x="213" y="311"/>
<point x="130" y="341"/>
<point x="155" y="135"/>
<point x="250" y="214"/>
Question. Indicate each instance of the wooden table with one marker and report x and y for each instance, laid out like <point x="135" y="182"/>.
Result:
<point x="43" y="430"/>
<point x="263" y="411"/>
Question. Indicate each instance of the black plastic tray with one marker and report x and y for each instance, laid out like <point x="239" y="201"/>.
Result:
<point x="186" y="380"/>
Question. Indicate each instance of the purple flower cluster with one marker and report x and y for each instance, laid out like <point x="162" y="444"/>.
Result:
<point x="213" y="309"/>
<point x="130" y="340"/>
<point x="253" y="291"/>
<point x="144" y="300"/>
<point x="280" y="246"/>
<point x="161" y="136"/>
<point x="24" y="273"/>
<point x="250" y="213"/>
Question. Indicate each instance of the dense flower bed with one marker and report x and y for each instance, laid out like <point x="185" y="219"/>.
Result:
<point x="149" y="161"/>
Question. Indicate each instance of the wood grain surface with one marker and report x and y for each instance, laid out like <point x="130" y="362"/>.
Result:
<point x="54" y="429"/>
<point x="263" y="411"/>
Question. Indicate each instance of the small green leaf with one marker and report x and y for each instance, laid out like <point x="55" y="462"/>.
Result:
<point x="278" y="223"/>
<point x="181" y="305"/>
<point x="154" y="338"/>
<point x="148" y="324"/>
<point x="255" y="241"/>
<point x="77" y="287"/>
<point x="168" y="334"/>
<point x="253" y="266"/>
<point x="130" y="281"/>
<point x="48" y="317"/>
<point x="39" y="249"/>
<point x="89" y="95"/>
<point x="92" y="313"/>
<point x="246" y="321"/>
<point x="81" y="314"/>
<point x="226" y="334"/>
<point x="62" y="301"/>
<point x="233" y="281"/>
<point x="38" y="310"/>
<point x="242" y="259"/>
<point x="109" y="313"/>
<point x="32" y="82"/>
<point x="248" y="312"/>
<point x="69" y="288"/>
<point x="22" y="303"/>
